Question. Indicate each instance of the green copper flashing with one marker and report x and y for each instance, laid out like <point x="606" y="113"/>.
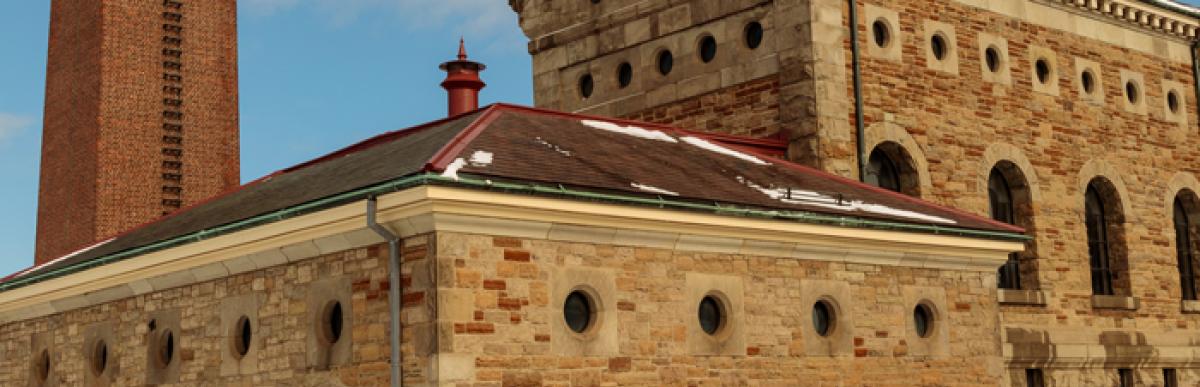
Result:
<point x="527" y="188"/>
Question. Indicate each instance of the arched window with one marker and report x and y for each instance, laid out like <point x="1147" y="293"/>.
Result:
<point x="1185" y="248"/>
<point x="1097" y="239"/>
<point x="1001" y="199"/>
<point x="882" y="171"/>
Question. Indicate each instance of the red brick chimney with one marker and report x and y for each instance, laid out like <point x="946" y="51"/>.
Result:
<point x="462" y="82"/>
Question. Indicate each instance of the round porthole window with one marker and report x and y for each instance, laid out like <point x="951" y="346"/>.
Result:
<point x="579" y="311"/>
<point x="1173" y="101"/>
<point x="1088" y="80"/>
<point x="707" y="48"/>
<point x="991" y="57"/>
<point x="165" y="353"/>
<point x="711" y="314"/>
<point x="624" y="75"/>
<point x="880" y="33"/>
<point x="937" y="44"/>
<point x="586" y="86"/>
<point x="243" y="336"/>
<point x="1042" y="69"/>
<point x="923" y="320"/>
<point x="666" y="62"/>
<point x="41" y="366"/>
<point x="1131" y="92"/>
<point x="99" y="357"/>
<point x="332" y="322"/>
<point x="754" y="35"/>
<point x="823" y="318"/>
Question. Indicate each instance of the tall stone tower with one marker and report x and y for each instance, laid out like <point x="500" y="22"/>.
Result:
<point x="141" y="115"/>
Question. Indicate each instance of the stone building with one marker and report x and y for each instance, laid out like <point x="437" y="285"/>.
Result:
<point x="516" y="246"/>
<point x="1076" y="120"/>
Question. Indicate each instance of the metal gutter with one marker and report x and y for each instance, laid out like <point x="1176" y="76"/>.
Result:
<point x="532" y="188"/>
<point x="394" y="290"/>
<point x="1196" y="70"/>
<point x="856" y="74"/>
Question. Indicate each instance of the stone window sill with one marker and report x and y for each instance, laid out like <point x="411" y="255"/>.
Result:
<point x="1021" y="297"/>
<point x="1191" y="306"/>
<point x="1114" y="302"/>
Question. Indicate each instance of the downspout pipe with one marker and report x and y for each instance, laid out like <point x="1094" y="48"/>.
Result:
<point x="856" y="74"/>
<point x="393" y="242"/>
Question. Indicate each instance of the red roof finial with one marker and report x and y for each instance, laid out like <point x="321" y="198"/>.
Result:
<point x="462" y="82"/>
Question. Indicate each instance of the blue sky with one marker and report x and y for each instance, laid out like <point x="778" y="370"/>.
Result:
<point x="315" y="75"/>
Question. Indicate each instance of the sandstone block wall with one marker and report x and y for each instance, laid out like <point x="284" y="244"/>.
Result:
<point x="507" y="311"/>
<point x="281" y="304"/>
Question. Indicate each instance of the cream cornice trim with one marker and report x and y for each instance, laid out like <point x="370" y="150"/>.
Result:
<point x="434" y="208"/>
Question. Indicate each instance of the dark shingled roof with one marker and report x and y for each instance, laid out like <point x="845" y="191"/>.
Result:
<point x="519" y="144"/>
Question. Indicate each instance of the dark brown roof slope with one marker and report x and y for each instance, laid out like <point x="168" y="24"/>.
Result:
<point x="518" y="144"/>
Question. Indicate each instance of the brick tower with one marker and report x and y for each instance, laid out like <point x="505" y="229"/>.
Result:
<point x="141" y="115"/>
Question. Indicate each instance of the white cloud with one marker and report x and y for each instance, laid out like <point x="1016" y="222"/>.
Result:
<point x="12" y="124"/>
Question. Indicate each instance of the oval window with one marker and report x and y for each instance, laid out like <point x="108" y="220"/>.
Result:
<point x="823" y="318"/>
<point x="666" y="62"/>
<point x="754" y="35"/>
<point x="624" y="75"/>
<point x="586" y="86"/>
<point x="100" y="357"/>
<point x="1042" y="68"/>
<point x="991" y="57"/>
<point x="707" y="49"/>
<point x="578" y="311"/>
<point x="243" y="336"/>
<point x="937" y="44"/>
<point x="1088" y="81"/>
<point x="923" y="320"/>
<point x="711" y="314"/>
<point x="881" y="33"/>
<point x="332" y="322"/>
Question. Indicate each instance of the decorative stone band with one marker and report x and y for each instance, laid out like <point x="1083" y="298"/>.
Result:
<point x="1075" y="347"/>
<point x="424" y="209"/>
<point x="1152" y="17"/>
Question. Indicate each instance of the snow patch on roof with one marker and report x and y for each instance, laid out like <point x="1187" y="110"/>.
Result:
<point x="702" y="144"/>
<point x="816" y="199"/>
<point x="556" y="148"/>
<point x="481" y="158"/>
<point x="452" y="169"/>
<point x="653" y="189"/>
<point x="629" y="130"/>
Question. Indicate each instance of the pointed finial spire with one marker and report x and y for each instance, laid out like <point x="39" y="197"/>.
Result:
<point x="462" y="49"/>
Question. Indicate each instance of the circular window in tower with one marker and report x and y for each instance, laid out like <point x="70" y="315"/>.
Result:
<point x="923" y="320"/>
<point x="579" y="311"/>
<point x="754" y="35"/>
<point x="1132" y="92"/>
<point x="1173" y="101"/>
<point x="1087" y="79"/>
<point x="823" y="318"/>
<point x="991" y="57"/>
<point x="1042" y="70"/>
<point x="938" y="45"/>
<point x="624" y="75"/>
<point x="666" y="62"/>
<point x="41" y="366"/>
<point x="707" y="48"/>
<point x="586" y="86"/>
<point x="712" y="314"/>
<point x="165" y="351"/>
<point x="881" y="33"/>
<point x="243" y="337"/>
<point x="99" y="358"/>
<point x="332" y="322"/>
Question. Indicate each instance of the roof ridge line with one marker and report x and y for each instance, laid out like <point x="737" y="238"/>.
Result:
<point x="445" y="155"/>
